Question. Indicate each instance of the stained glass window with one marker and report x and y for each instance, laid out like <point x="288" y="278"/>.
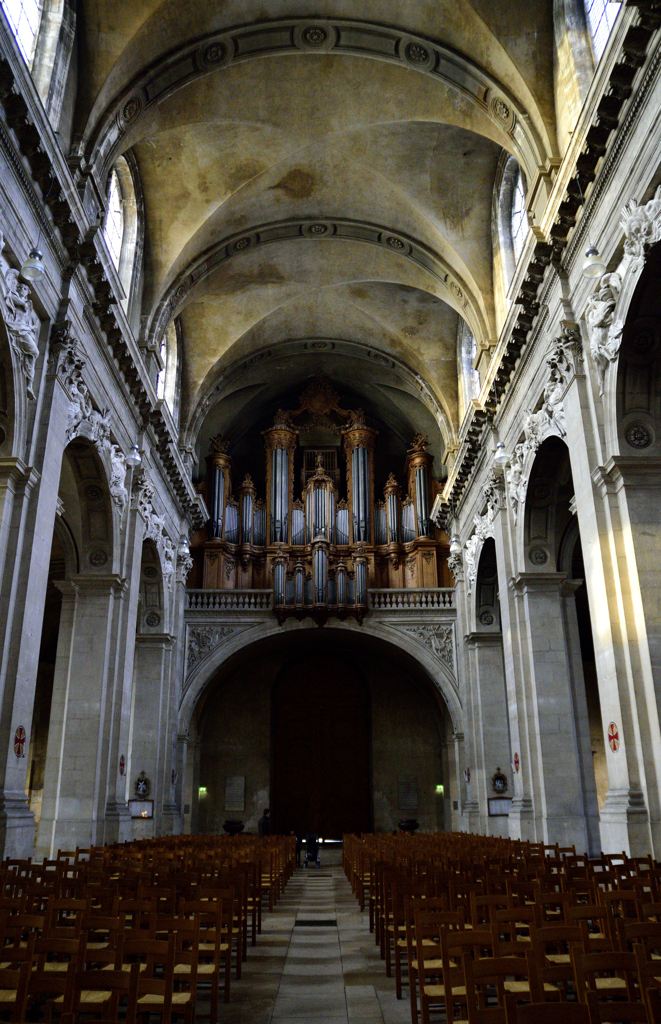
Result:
<point x="113" y="231"/>
<point x="601" y="18"/>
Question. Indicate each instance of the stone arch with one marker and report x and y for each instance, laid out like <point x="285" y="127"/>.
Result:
<point x="486" y="606"/>
<point x="638" y="380"/>
<point x="547" y="508"/>
<point x="122" y="115"/>
<point x="233" y="638"/>
<point x="153" y="611"/>
<point x="91" y="517"/>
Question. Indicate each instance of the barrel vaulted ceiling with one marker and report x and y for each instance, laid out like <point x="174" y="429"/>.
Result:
<point x="319" y="172"/>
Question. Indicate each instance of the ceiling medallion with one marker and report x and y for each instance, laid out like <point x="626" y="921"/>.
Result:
<point x="638" y="436"/>
<point x="416" y="53"/>
<point x="501" y="111"/>
<point x="538" y="556"/>
<point x="131" y="109"/>
<point x="315" y="35"/>
<point x="395" y="243"/>
<point x="214" y="53"/>
<point x="317" y="229"/>
<point x="243" y="243"/>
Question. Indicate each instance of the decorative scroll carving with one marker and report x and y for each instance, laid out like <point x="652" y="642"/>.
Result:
<point x="202" y="640"/>
<point x="456" y="567"/>
<point x="483" y="528"/>
<point x="141" y="502"/>
<point x="438" y="639"/>
<point x="184" y="566"/>
<point x="22" y="325"/>
<point x="642" y="229"/>
<point x="604" y="329"/>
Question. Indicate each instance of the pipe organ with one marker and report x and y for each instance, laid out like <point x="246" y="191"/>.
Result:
<point x="322" y="549"/>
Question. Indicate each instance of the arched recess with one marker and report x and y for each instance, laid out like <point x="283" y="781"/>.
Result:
<point x="409" y="638"/>
<point x="563" y="672"/>
<point x="82" y="546"/>
<point x="131" y="110"/>
<point x="229" y="727"/>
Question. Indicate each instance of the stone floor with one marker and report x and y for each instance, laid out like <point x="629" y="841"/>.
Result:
<point x="329" y="972"/>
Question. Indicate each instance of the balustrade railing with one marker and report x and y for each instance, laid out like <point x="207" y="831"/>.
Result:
<point x="378" y="599"/>
<point x="436" y="597"/>
<point x="228" y="600"/>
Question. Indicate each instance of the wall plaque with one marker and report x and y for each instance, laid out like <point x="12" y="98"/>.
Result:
<point x="408" y="792"/>
<point x="235" y="792"/>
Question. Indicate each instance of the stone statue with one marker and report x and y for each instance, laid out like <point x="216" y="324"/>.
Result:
<point x="22" y="326"/>
<point x="604" y="330"/>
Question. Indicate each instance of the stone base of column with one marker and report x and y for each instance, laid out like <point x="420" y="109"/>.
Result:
<point x="17" y="830"/>
<point x="566" y="830"/>
<point x="118" y="825"/>
<point x="170" y="821"/>
<point x="471" y="819"/>
<point x="624" y="823"/>
<point x="522" y="819"/>
<point x="64" y="834"/>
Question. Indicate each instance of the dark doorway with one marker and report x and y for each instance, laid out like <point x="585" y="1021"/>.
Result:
<point x="321" y="748"/>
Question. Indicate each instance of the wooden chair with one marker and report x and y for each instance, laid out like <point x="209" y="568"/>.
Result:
<point x="506" y="975"/>
<point x="545" y="1013"/>
<point x="605" y="974"/>
<point x="444" y="919"/>
<point x="156" y="984"/>
<point x="438" y="954"/>
<point x="602" y="1012"/>
<point x="14" y="990"/>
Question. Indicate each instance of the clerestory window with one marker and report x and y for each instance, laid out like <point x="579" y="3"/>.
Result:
<point x="24" y="17"/>
<point x="113" y="231"/>
<point x="518" y="216"/>
<point x="601" y="17"/>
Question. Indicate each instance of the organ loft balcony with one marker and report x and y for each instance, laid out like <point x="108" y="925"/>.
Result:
<point x="310" y="537"/>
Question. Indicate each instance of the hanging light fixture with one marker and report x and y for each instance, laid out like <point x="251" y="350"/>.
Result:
<point x="33" y="267"/>
<point x="133" y="458"/>
<point x="501" y="459"/>
<point x="184" y="549"/>
<point x="455" y="545"/>
<point x="593" y="264"/>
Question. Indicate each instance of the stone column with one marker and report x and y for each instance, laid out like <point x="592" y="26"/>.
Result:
<point x="518" y="694"/>
<point x="151" y="740"/>
<point x="626" y="690"/>
<point x="28" y="518"/>
<point x="559" y="802"/>
<point x="74" y="801"/>
<point x="491" y="742"/>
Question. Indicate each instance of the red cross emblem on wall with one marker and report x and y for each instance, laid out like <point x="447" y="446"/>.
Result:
<point x="19" y="742"/>
<point x="122" y="765"/>
<point x="613" y="738"/>
<point x="517" y="763"/>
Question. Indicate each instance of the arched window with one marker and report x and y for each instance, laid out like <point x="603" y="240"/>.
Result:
<point x="469" y="377"/>
<point x="518" y="216"/>
<point x="166" y="386"/>
<point x="121" y="228"/>
<point x="601" y="17"/>
<point x="24" y="17"/>
<point x="113" y="230"/>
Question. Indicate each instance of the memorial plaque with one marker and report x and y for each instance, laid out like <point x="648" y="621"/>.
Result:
<point x="408" y="792"/>
<point x="235" y="792"/>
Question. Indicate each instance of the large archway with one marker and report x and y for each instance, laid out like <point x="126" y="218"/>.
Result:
<point x="333" y="729"/>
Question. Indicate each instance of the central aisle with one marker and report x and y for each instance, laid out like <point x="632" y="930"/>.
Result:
<point x="315" y="961"/>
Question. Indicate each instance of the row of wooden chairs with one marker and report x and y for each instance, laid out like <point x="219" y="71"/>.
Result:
<point x="137" y="931"/>
<point x="450" y="912"/>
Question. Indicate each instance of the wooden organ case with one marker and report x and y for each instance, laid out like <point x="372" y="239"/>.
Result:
<point x="323" y="549"/>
